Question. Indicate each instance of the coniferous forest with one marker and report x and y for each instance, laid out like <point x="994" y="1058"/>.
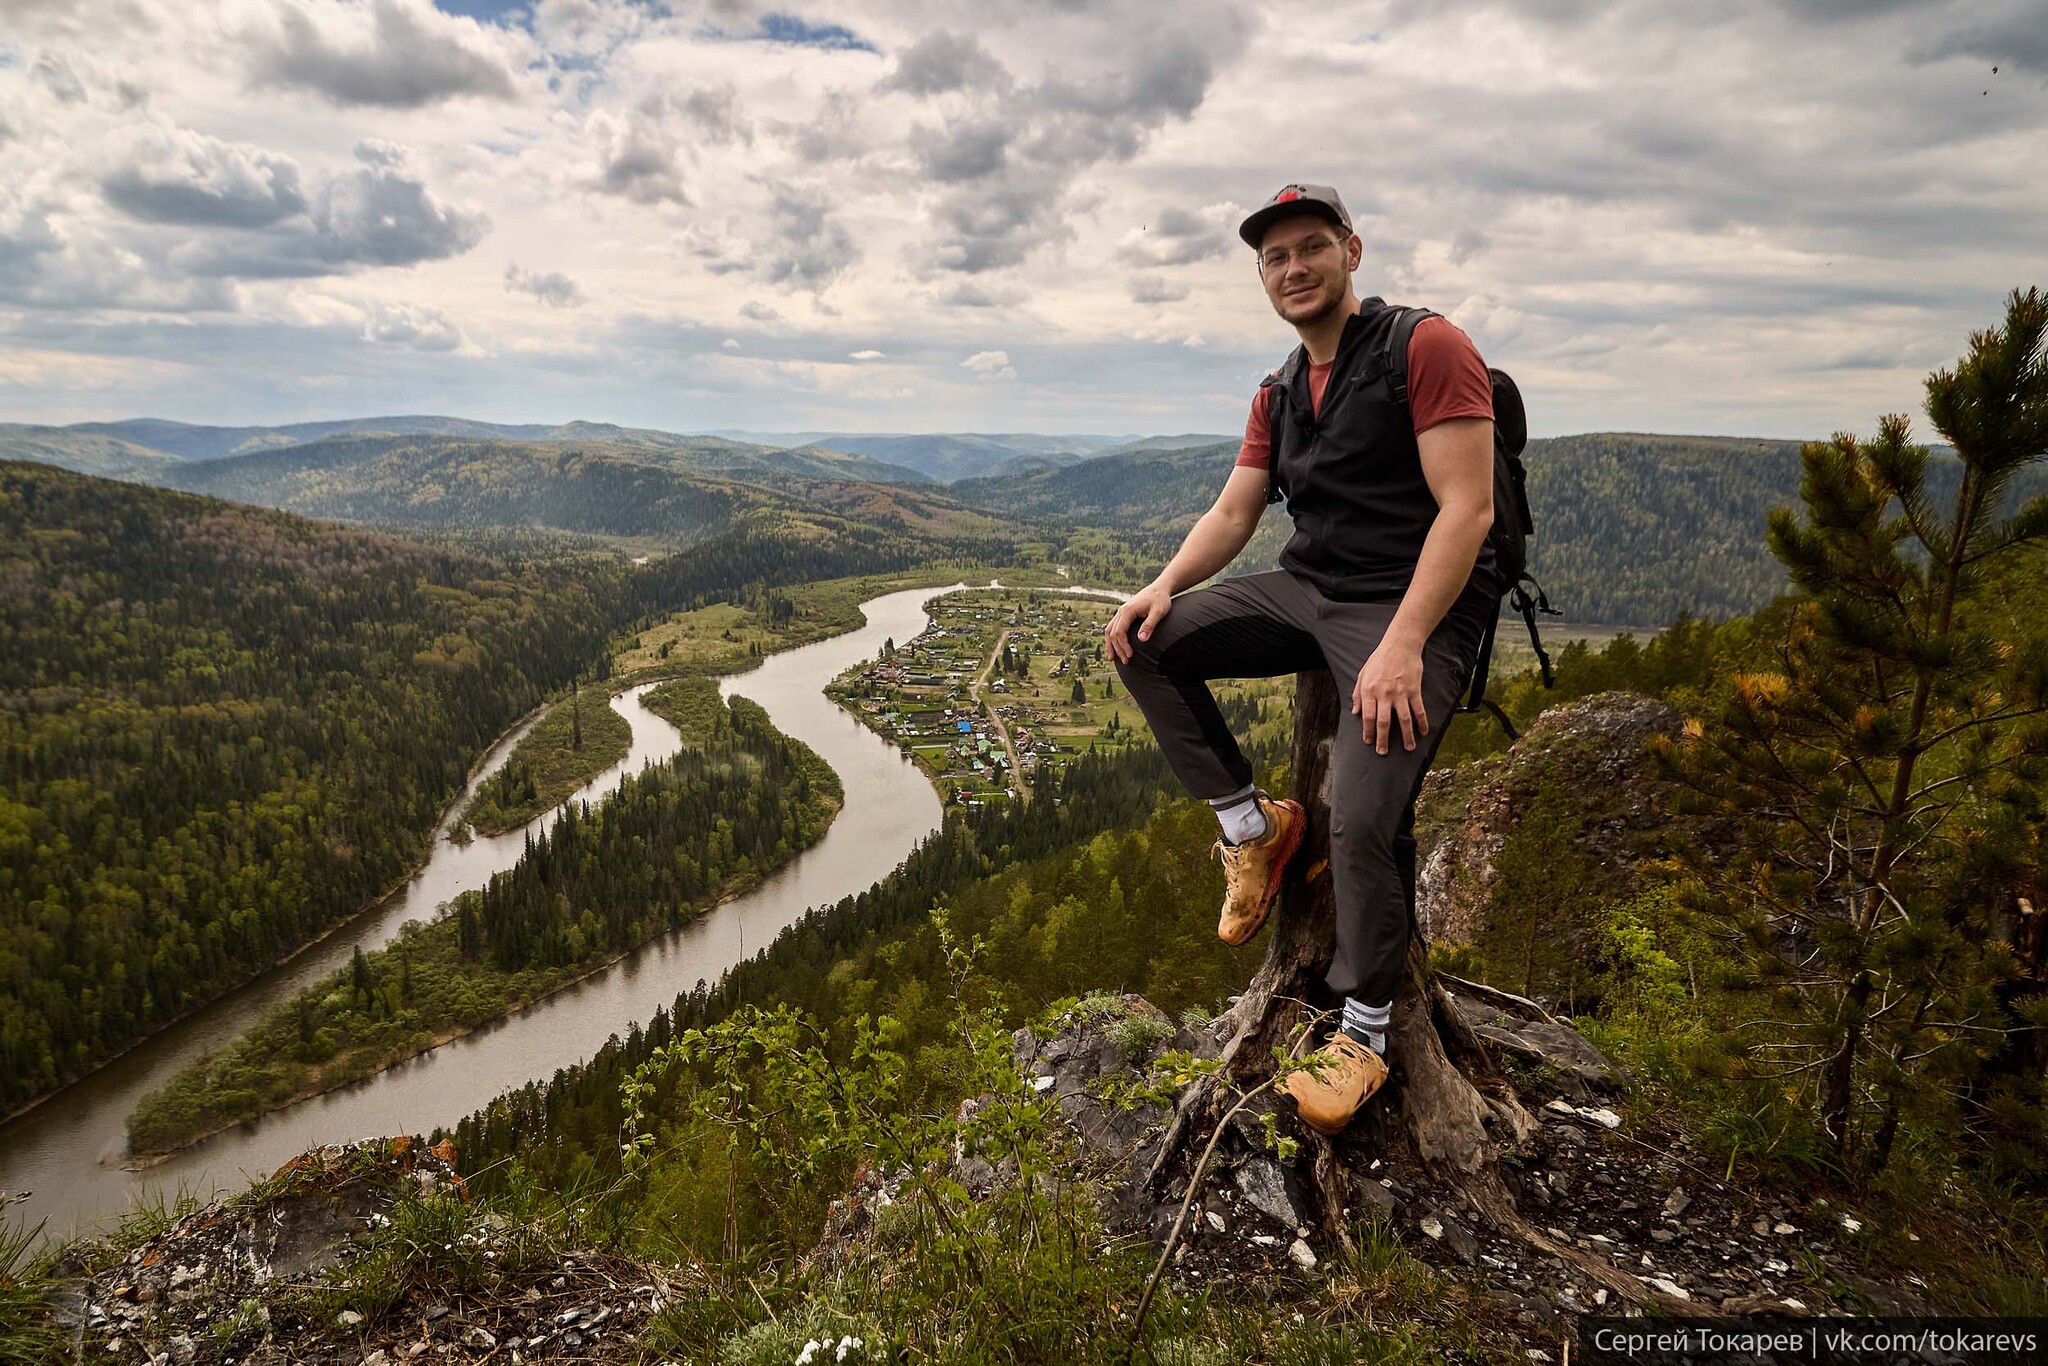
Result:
<point x="736" y="803"/>
<point x="225" y="730"/>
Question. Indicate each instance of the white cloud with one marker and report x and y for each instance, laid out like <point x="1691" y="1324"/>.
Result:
<point x="1154" y="289"/>
<point x="990" y="365"/>
<point x="166" y="174"/>
<point x="551" y="287"/>
<point x="402" y="54"/>
<point x="414" y="325"/>
<point x="1774" y="222"/>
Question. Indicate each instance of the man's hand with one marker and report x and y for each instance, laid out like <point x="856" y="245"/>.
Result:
<point x="1389" y="693"/>
<point x="1146" y="607"/>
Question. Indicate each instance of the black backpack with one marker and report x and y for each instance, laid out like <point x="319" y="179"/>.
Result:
<point x="1512" y="525"/>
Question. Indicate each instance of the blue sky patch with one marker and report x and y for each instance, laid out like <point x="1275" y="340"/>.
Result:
<point x="790" y="28"/>
<point x="511" y="13"/>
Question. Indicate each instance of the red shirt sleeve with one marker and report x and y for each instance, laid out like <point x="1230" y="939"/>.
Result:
<point x="1446" y="377"/>
<point x="1257" y="450"/>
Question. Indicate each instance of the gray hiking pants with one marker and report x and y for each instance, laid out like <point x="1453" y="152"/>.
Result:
<point x="1274" y="623"/>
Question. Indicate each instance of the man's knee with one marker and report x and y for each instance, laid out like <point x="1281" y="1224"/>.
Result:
<point x="1143" y="663"/>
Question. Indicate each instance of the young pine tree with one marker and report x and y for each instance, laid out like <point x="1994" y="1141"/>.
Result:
<point x="1887" y="770"/>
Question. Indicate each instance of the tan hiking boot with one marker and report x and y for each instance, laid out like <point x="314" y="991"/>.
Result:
<point x="1327" y="1096"/>
<point x="1252" y="870"/>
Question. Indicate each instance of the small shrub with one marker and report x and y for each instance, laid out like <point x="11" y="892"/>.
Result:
<point x="1137" y="1034"/>
<point x="808" y="1334"/>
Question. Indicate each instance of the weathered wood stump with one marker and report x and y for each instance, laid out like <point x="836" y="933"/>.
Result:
<point x="1447" y="1100"/>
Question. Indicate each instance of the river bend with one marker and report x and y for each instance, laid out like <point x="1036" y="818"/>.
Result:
<point x="69" y="1152"/>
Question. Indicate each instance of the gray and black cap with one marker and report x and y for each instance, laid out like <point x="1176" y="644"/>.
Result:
<point x="1320" y="200"/>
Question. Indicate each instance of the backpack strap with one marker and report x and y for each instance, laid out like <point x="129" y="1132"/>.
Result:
<point x="1277" y="387"/>
<point x="1481" y="670"/>
<point x="1394" y="359"/>
<point x="1519" y="599"/>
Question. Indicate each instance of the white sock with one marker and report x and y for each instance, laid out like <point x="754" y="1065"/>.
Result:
<point x="1239" y="815"/>
<point x="1368" y="1024"/>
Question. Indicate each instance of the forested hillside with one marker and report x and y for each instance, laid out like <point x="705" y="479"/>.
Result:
<point x="158" y="440"/>
<point x="663" y="495"/>
<point x="738" y="801"/>
<point x="947" y="456"/>
<point x="1631" y="530"/>
<point x="468" y="482"/>
<point x="224" y="729"/>
<point x="89" y="452"/>
<point x="772" y="547"/>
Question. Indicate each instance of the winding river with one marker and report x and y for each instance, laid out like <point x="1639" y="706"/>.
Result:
<point x="69" y="1153"/>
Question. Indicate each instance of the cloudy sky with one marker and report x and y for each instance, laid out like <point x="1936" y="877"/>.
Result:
<point x="1755" y="216"/>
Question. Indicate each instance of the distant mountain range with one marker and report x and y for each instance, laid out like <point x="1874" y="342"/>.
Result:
<point x="947" y="456"/>
<point x="670" y="495"/>
<point x="136" y="446"/>
<point x="1631" y="528"/>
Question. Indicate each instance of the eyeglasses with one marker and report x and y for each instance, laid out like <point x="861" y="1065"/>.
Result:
<point x="1279" y="258"/>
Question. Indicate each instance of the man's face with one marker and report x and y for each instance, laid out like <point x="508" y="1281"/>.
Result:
<point x="1305" y="263"/>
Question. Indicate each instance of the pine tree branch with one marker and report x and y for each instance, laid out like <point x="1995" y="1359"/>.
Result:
<point x="1977" y="722"/>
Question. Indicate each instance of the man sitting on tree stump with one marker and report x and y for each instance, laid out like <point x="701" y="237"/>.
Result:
<point x="1387" y="582"/>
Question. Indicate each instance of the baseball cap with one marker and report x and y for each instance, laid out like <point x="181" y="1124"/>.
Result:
<point x="1320" y="200"/>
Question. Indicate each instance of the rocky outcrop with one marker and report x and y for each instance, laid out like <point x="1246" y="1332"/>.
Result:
<point x="286" y="1273"/>
<point x="1525" y="1035"/>
<point x="1626" y="1193"/>
<point x="1596" y="751"/>
<point x="304" y="1268"/>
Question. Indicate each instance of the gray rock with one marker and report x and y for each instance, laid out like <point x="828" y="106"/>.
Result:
<point x="976" y="1174"/>
<point x="1160" y="1225"/>
<point x="1507" y="1040"/>
<point x="1270" y="1189"/>
<point x="1461" y="1241"/>
<point x="1371" y="1192"/>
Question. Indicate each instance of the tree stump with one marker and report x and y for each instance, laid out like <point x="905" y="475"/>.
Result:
<point x="1447" y="1099"/>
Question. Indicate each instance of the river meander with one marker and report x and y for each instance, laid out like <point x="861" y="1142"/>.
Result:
<point x="69" y="1152"/>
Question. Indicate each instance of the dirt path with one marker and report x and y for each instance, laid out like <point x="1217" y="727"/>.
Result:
<point x="1009" y="747"/>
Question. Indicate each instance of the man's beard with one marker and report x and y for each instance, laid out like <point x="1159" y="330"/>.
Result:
<point x="1318" y="312"/>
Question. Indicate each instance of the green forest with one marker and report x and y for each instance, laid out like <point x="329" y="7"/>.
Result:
<point x="576" y="739"/>
<point x="1631" y="529"/>
<point x="226" y="730"/>
<point x="737" y="802"/>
